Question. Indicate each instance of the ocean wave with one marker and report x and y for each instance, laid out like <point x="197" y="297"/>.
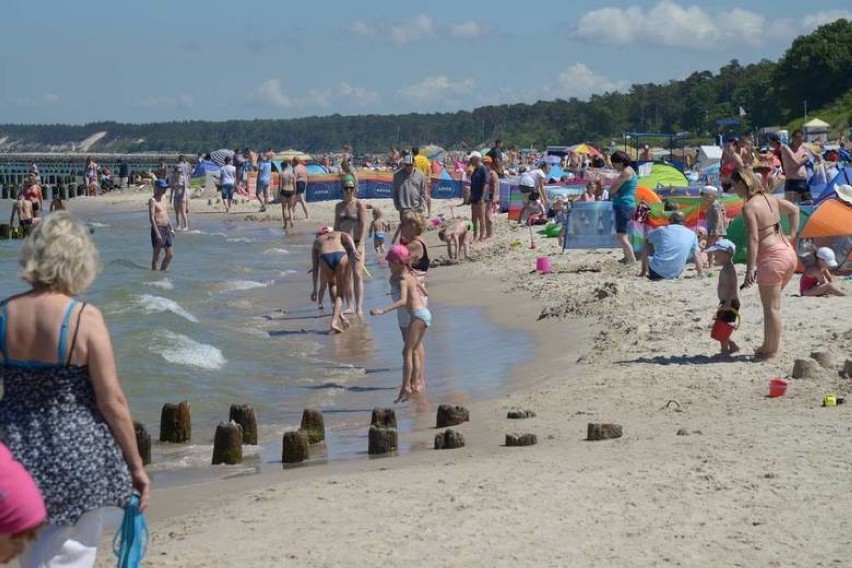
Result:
<point x="239" y="240"/>
<point x="165" y="284"/>
<point x="276" y="251"/>
<point x="157" y="304"/>
<point x="96" y="224"/>
<point x="183" y="350"/>
<point x="240" y="285"/>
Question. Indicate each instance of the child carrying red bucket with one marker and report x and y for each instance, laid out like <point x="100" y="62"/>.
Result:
<point x="728" y="313"/>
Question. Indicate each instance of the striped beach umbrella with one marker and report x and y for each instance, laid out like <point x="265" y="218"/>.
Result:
<point x="218" y="156"/>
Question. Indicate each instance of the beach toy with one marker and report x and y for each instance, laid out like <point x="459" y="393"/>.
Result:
<point x="552" y="230"/>
<point x="829" y="400"/>
<point x="532" y="239"/>
<point x="515" y="244"/>
<point x="722" y="330"/>
<point x="542" y="265"/>
<point x="777" y="387"/>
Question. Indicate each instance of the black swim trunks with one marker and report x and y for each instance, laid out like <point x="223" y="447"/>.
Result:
<point x="165" y="234"/>
<point x="301" y="187"/>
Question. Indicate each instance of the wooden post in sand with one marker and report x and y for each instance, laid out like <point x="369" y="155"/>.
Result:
<point x="382" y="440"/>
<point x="143" y="442"/>
<point x="313" y="425"/>
<point x="175" y="423"/>
<point x="244" y="415"/>
<point x="228" y="444"/>
<point x="295" y="447"/>
<point x="383" y="417"/>
<point x="451" y="415"/>
<point x="5" y="231"/>
<point x="449" y="440"/>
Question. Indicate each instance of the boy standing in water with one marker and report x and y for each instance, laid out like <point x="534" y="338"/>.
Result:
<point x="729" y="302"/>
<point x="161" y="227"/>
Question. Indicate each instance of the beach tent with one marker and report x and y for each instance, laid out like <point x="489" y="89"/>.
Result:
<point x="434" y="152"/>
<point x="737" y="232"/>
<point x="708" y="156"/>
<point x="663" y="175"/>
<point x="830" y="225"/>
<point x="584" y="149"/>
<point x="288" y="155"/>
<point x="205" y="167"/>
<point x="829" y="190"/>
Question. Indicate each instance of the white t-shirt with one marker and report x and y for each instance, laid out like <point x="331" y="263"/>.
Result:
<point x="527" y="180"/>
<point x="229" y="175"/>
<point x="538" y="174"/>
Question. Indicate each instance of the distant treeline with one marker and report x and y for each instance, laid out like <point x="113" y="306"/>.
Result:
<point x="817" y="68"/>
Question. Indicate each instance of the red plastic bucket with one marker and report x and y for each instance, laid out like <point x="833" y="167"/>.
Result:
<point x="777" y="387"/>
<point x="722" y="330"/>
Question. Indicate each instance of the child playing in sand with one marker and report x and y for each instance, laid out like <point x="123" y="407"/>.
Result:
<point x="560" y="211"/>
<point x="701" y="255"/>
<point x="717" y="222"/>
<point x="817" y="279"/>
<point x="533" y="212"/>
<point x="454" y="233"/>
<point x="729" y="302"/>
<point x="378" y="229"/>
<point x="412" y="313"/>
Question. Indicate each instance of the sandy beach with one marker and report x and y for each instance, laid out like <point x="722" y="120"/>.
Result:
<point x="709" y="472"/>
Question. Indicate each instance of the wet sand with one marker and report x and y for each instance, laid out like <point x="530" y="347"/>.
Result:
<point x="755" y="482"/>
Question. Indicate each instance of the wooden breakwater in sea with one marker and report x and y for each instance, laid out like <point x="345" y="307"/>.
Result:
<point x="66" y="168"/>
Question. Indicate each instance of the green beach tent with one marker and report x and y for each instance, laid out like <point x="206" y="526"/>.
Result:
<point x="737" y="232"/>
<point x="664" y="175"/>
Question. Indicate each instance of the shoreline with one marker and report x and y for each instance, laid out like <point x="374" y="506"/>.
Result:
<point x="744" y="469"/>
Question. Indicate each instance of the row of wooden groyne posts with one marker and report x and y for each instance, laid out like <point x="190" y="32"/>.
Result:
<point x="63" y="172"/>
<point x="383" y="437"/>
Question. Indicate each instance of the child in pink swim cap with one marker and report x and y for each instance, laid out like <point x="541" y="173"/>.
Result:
<point x="412" y="315"/>
<point x="21" y="507"/>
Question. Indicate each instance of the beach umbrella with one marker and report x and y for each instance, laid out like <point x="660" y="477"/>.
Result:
<point x="218" y="156"/>
<point x="584" y="149"/>
<point x="552" y="159"/>
<point x="433" y="152"/>
<point x="287" y="155"/>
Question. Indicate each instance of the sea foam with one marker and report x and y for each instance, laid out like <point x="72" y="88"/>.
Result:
<point x="157" y="304"/>
<point x="183" y="350"/>
<point x="240" y="285"/>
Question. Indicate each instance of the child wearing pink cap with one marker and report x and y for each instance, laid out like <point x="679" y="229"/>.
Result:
<point x="413" y="315"/>
<point x="22" y="508"/>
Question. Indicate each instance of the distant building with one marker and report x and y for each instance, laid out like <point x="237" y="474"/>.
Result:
<point x="816" y="130"/>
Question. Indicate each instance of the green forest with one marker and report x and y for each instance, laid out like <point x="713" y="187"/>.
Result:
<point x="816" y="68"/>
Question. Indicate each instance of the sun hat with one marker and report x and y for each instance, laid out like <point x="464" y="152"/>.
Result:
<point x="398" y="253"/>
<point x="21" y="504"/>
<point x="408" y="159"/>
<point x="324" y="231"/>
<point x="709" y="190"/>
<point x="723" y="245"/>
<point x="826" y="255"/>
<point x="473" y="155"/>
<point x="161" y="184"/>
<point x="844" y="192"/>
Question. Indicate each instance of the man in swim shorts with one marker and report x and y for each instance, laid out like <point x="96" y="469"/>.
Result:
<point x="161" y="227"/>
<point x="23" y="210"/>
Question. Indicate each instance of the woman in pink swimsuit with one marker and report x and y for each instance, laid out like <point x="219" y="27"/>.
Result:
<point x="771" y="259"/>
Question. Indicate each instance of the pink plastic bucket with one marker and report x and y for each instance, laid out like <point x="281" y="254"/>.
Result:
<point x="542" y="265"/>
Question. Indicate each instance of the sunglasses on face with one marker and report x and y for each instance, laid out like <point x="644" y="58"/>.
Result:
<point x="348" y="188"/>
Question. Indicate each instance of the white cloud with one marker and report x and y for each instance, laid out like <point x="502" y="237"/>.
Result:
<point x="410" y="30"/>
<point x="51" y="99"/>
<point x="437" y="89"/>
<point x="180" y="101"/>
<point x="670" y="24"/>
<point x="358" y="95"/>
<point x="581" y="82"/>
<point x="813" y="21"/>
<point x="269" y="93"/>
<point x="469" y="29"/>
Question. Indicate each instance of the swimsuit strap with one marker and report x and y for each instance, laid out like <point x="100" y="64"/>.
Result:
<point x="3" y="318"/>
<point x="63" y="331"/>
<point x="76" y="331"/>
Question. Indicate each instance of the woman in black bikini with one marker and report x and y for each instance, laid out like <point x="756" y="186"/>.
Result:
<point x="350" y="217"/>
<point x="286" y="195"/>
<point x="330" y="257"/>
<point x="771" y="258"/>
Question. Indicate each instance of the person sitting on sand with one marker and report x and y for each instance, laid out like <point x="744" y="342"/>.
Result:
<point x="455" y="233"/>
<point x="817" y="279"/>
<point x="413" y="315"/>
<point x="330" y="258"/>
<point x="729" y="302"/>
<point x="378" y="231"/>
<point x="672" y="245"/>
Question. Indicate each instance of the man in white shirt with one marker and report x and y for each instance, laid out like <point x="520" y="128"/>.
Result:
<point x="228" y="182"/>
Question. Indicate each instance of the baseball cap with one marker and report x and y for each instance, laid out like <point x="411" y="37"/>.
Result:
<point x="397" y="253"/>
<point x="826" y="255"/>
<point x="723" y="245"/>
<point x="161" y="184"/>
<point x="347" y="179"/>
<point x="408" y="159"/>
<point x="21" y="504"/>
<point x="474" y="155"/>
<point x="709" y="190"/>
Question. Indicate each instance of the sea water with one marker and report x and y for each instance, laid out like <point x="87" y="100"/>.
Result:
<point x="231" y="322"/>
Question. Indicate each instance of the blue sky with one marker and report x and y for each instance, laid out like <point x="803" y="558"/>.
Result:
<point x="157" y="60"/>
